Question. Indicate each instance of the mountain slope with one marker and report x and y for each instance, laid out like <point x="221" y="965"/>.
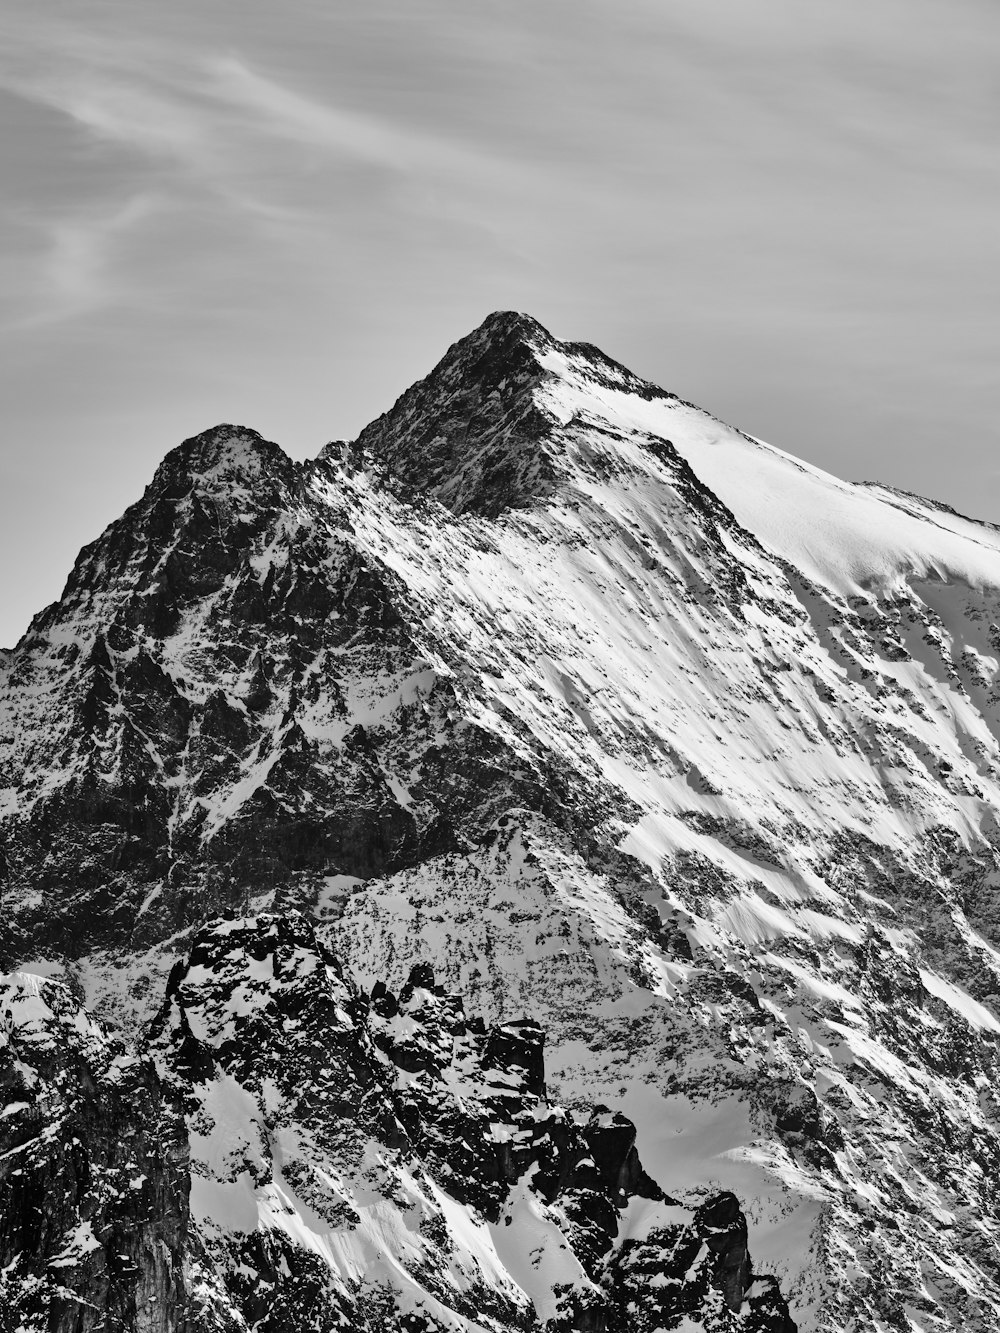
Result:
<point x="620" y="719"/>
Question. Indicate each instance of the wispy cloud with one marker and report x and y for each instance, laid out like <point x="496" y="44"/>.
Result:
<point x="213" y="137"/>
<point x="145" y="144"/>
<point x="292" y="117"/>
<point x="285" y="114"/>
<point x="74" y="275"/>
<point x="122" y="91"/>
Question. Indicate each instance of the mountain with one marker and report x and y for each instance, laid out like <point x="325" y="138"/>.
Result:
<point x="638" y="733"/>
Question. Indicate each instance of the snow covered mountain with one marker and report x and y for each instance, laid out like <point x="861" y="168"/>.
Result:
<point x="622" y="722"/>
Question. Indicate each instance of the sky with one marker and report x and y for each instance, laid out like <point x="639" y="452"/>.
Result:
<point x="282" y="215"/>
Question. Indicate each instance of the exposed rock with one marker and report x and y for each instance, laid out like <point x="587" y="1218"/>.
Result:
<point x="94" y="1226"/>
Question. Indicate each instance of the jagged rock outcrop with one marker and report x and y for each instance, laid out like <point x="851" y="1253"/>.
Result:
<point x="286" y="1153"/>
<point x="624" y="721"/>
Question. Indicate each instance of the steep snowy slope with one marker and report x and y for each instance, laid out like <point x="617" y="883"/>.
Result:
<point x="620" y="719"/>
<point x="852" y="539"/>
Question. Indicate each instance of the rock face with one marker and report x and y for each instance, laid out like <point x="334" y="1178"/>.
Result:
<point x="286" y="1153"/>
<point x="617" y="719"/>
<point x="194" y="689"/>
<point x="93" y="1174"/>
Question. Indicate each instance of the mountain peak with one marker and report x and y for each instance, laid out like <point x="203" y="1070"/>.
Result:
<point x="507" y="347"/>
<point x="223" y="455"/>
<point x="474" y="433"/>
<point x="468" y="434"/>
<point x="509" y="329"/>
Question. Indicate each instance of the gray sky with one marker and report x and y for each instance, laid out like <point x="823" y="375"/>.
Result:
<point x="281" y="215"/>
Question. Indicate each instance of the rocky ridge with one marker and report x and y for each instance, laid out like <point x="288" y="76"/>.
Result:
<point x="283" y="1152"/>
<point x="628" y="722"/>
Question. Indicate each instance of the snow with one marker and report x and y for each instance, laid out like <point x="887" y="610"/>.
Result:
<point x="642" y="1216"/>
<point x="962" y="1003"/>
<point x="853" y="539"/>
<point x="227" y="1204"/>
<point x="230" y="1150"/>
<point x="80" y="1242"/>
<point x="535" y="1252"/>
